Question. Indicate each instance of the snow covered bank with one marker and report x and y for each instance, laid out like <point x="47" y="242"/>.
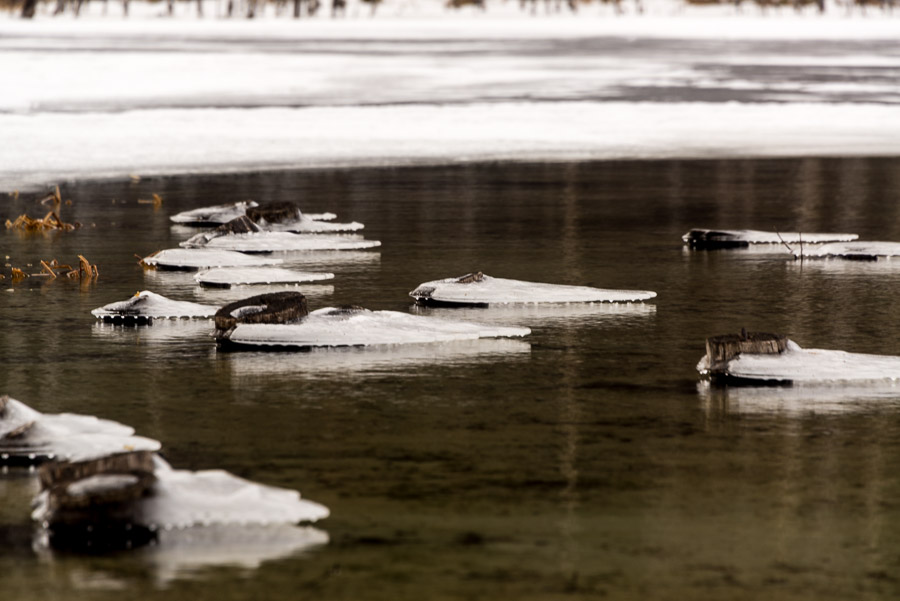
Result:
<point x="163" y="96"/>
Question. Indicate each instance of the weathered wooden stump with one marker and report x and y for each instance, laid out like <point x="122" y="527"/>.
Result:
<point x="712" y="240"/>
<point x="274" y="212"/>
<point x="90" y="503"/>
<point x="722" y="349"/>
<point x="274" y="308"/>
<point x="470" y="278"/>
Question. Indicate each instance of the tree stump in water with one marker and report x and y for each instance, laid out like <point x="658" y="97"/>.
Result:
<point x="470" y="278"/>
<point x="274" y="212"/>
<point x="722" y="349"/>
<point x="274" y="308"/>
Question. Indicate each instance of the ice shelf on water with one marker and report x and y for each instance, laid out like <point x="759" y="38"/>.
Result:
<point x="360" y="327"/>
<point x="267" y="242"/>
<point x="64" y="436"/>
<point x="797" y="364"/>
<point x="219" y="214"/>
<point x="149" y="304"/>
<point x="224" y="277"/>
<point x="479" y="289"/>
<point x="182" y="499"/>
<point x="307" y="225"/>
<point x="865" y="251"/>
<point x="214" y="215"/>
<point x="702" y="238"/>
<point x="204" y="258"/>
<point x="537" y="315"/>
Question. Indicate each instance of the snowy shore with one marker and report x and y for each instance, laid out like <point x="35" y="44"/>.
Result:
<point x="101" y="97"/>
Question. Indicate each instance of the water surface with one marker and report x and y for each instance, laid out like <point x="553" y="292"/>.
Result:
<point x="584" y="461"/>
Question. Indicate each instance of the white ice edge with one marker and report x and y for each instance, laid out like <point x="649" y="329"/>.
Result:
<point x="307" y="225"/>
<point x="763" y="237"/>
<point x="284" y="242"/>
<point x="150" y="304"/>
<point x="69" y="436"/>
<point x="201" y="258"/>
<point x="366" y="328"/>
<point x="214" y="214"/>
<point x="492" y="290"/>
<point x="851" y="250"/>
<point x="797" y="364"/>
<point x="235" y="276"/>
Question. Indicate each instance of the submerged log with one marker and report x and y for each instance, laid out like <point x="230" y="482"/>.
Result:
<point x="722" y="349"/>
<point x="277" y="308"/>
<point x="713" y="239"/>
<point x="274" y="212"/>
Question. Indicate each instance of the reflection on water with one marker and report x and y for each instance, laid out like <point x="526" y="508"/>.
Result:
<point x="318" y="293"/>
<point x="369" y="361"/>
<point x="800" y="398"/>
<point x="192" y="553"/>
<point x="579" y="462"/>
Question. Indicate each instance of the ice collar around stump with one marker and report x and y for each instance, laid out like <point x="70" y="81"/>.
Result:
<point x="272" y="308"/>
<point x="14" y="421"/>
<point x="722" y="349"/>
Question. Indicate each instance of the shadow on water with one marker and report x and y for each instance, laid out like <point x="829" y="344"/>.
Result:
<point x="580" y="461"/>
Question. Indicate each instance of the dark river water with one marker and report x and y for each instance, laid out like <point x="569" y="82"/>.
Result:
<point x="583" y="461"/>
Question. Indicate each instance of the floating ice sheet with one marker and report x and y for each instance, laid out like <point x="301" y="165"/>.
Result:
<point x="337" y="327"/>
<point x="702" y="238"/>
<point x="64" y="436"/>
<point x="149" y="304"/>
<point x="487" y="290"/>
<point x="797" y="364"/>
<point x="214" y="215"/>
<point x="536" y="315"/>
<point x="202" y="258"/>
<point x="861" y="251"/>
<point x="182" y="499"/>
<point x="236" y="276"/>
<point x="266" y="242"/>
<point x="308" y="225"/>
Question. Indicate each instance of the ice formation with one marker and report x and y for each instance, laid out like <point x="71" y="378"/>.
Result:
<point x="702" y="238"/>
<point x="360" y="327"/>
<point x="864" y="251"/>
<point x="202" y="258"/>
<point x="479" y="289"/>
<point x="182" y="499"/>
<point x="146" y="304"/>
<point x="307" y="225"/>
<point x="214" y="215"/>
<point x="796" y="364"/>
<point x="266" y="242"/>
<point x="28" y="436"/>
<point x="236" y="276"/>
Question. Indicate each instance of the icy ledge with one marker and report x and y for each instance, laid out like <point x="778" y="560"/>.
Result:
<point x="201" y="258"/>
<point x="266" y="242"/>
<point x="480" y="289"/>
<point x="146" y="304"/>
<point x="796" y="364"/>
<point x="360" y="327"/>
<point x="28" y="436"/>
<point x="861" y="251"/>
<point x="225" y="277"/>
<point x="710" y="239"/>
